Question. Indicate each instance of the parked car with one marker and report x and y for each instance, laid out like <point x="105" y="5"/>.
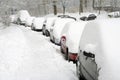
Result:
<point x="29" y="21"/>
<point x="70" y="38"/>
<point x="114" y="14"/>
<point x="91" y="17"/>
<point x="56" y="29"/>
<point x="22" y="15"/>
<point x="63" y="16"/>
<point x="88" y="17"/>
<point x="47" y="24"/>
<point x="99" y="49"/>
<point x="83" y="18"/>
<point x="66" y="16"/>
<point x="38" y="23"/>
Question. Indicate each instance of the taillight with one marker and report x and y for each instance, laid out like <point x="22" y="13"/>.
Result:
<point x="63" y="38"/>
<point x="73" y="56"/>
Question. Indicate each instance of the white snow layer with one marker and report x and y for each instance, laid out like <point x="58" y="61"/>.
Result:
<point x="27" y="55"/>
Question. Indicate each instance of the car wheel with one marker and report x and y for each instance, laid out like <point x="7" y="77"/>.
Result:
<point x="53" y="40"/>
<point x="43" y="31"/>
<point x="68" y="57"/>
<point x="66" y="54"/>
<point x="61" y="49"/>
<point x="32" y="27"/>
<point x="78" y="69"/>
<point x="47" y="33"/>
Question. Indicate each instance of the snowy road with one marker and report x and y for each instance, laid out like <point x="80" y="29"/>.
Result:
<point x="28" y="55"/>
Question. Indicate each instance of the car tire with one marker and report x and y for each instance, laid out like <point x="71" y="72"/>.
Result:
<point x="66" y="54"/>
<point x="32" y="27"/>
<point x="68" y="57"/>
<point x="61" y="49"/>
<point x="43" y="33"/>
<point x="47" y="33"/>
<point x="53" y="40"/>
<point x="78" y="70"/>
<point x="79" y="74"/>
<point x="43" y="30"/>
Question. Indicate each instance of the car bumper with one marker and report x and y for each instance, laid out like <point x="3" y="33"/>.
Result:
<point x="72" y="56"/>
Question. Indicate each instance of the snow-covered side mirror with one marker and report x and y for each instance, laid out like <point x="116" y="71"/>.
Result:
<point x="89" y="50"/>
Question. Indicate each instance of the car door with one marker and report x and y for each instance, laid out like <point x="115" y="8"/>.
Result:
<point x="88" y="65"/>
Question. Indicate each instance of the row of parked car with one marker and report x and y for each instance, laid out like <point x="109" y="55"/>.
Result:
<point x="23" y="17"/>
<point x="91" y="43"/>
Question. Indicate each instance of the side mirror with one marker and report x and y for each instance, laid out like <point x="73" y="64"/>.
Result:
<point x="88" y="54"/>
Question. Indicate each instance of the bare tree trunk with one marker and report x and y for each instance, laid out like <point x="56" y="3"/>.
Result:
<point x="86" y="3"/>
<point x="64" y="9"/>
<point x="100" y="6"/>
<point x="81" y="6"/>
<point x="54" y="7"/>
<point x="93" y="4"/>
<point x="64" y="4"/>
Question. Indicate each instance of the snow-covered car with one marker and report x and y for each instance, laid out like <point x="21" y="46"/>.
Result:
<point x="99" y="51"/>
<point x="56" y="29"/>
<point x="89" y="17"/>
<point x="114" y="14"/>
<point x="63" y="16"/>
<point x="38" y="23"/>
<point x="46" y="27"/>
<point x="66" y="16"/>
<point x="83" y="18"/>
<point x="29" y="21"/>
<point x="22" y="15"/>
<point x="70" y="38"/>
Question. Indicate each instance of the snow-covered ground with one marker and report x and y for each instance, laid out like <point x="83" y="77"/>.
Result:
<point x="27" y="55"/>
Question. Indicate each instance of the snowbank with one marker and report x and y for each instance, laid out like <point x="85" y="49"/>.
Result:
<point x="27" y="55"/>
<point x="12" y="52"/>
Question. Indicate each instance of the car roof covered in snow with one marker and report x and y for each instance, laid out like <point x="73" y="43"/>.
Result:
<point x="76" y="27"/>
<point x="59" y="25"/>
